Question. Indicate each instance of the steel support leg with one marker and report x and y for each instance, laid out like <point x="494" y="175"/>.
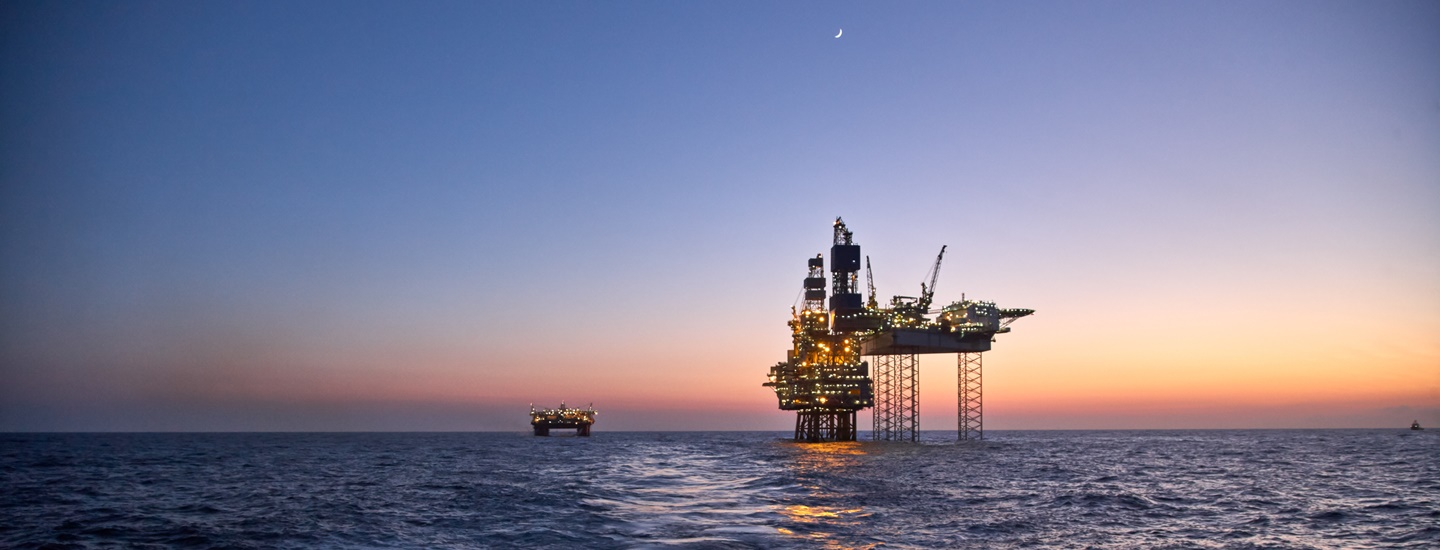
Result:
<point x="896" y="398"/>
<point x="807" y="426"/>
<point x="972" y="397"/>
<point x="818" y="426"/>
<point x="908" y="389"/>
<point x="883" y="427"/>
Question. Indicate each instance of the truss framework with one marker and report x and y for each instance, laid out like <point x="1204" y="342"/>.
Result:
<point x="816" y="426"/>
<point x="972" y="396"/>
<point x="897" y="403"/>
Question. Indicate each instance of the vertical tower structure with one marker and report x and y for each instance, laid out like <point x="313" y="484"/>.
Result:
<point x="845" y="302"/>
<point x="823" y="378"/>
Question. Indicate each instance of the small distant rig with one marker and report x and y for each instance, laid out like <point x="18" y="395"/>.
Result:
<point x="823" y="377"/>
<point x="565" y="418"/>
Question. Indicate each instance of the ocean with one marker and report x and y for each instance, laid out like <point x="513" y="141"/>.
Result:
<point x="1017" y="489"/>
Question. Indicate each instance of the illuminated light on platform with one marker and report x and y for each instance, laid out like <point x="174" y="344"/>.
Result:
<point x="823" y="378"/>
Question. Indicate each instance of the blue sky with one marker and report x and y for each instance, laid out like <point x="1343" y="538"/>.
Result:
<point x="390" y="206"/>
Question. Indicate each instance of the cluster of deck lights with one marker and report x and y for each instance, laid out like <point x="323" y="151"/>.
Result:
<point x="822" y="376"/>
<point x="828" y="367"/>
<point x="562" y="413"/>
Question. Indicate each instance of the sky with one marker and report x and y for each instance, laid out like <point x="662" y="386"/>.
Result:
<point x="334" y="216"/>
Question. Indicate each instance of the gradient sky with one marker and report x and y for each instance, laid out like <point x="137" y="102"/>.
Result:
<point x="427" y="215"/>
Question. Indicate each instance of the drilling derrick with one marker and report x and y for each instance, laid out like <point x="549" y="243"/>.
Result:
<point x="822" y="378"/>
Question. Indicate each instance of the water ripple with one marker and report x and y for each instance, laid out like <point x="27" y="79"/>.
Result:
<point x="1190" y="489"/>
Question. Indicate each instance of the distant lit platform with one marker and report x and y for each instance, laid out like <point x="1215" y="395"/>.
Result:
<point x="580" y="420"/>
<point x="902" y="341"/>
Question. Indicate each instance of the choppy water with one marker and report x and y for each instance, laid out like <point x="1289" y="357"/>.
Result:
<point x="1184" y="489"/>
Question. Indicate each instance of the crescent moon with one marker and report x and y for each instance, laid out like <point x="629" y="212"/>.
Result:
<point x="837" y="35"/>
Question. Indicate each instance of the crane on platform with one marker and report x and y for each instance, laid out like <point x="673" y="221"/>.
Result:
<point x="870" y="282"/>
<point x="927" y="293"/>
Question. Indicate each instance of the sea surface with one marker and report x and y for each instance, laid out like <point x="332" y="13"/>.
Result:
<point x="1063" y="489"/>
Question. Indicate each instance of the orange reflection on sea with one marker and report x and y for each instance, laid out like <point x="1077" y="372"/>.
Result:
<point x="829" y="456"/>
<point x="820" y="516"/>
<point x="809" y="514"/>
<point x="815" y="522"/>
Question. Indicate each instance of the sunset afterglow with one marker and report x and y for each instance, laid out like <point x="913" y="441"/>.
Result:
<point x="325" y="217"/>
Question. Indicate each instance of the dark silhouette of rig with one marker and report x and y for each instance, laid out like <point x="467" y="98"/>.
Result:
<point x="823" y="378"/>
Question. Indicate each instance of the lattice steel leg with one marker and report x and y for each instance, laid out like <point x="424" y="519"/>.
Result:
<point x="897" y="389"/>
<point x="907" y="389"/>
<point x="883" y="427"/>
<point x="877" y="410"/>
<point x="972" y="397"/>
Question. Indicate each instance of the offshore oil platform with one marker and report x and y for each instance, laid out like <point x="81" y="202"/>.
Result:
<point x="823" y="377"/>
<point x="565" y="418"/>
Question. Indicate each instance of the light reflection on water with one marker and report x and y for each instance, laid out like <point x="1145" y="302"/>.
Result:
<point x="678" y="496"/>
<point x="1321" y="489"/>
<point x="822" y="458"/>
<point x="808" y="514"/>
<point x="816" y="520"/>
